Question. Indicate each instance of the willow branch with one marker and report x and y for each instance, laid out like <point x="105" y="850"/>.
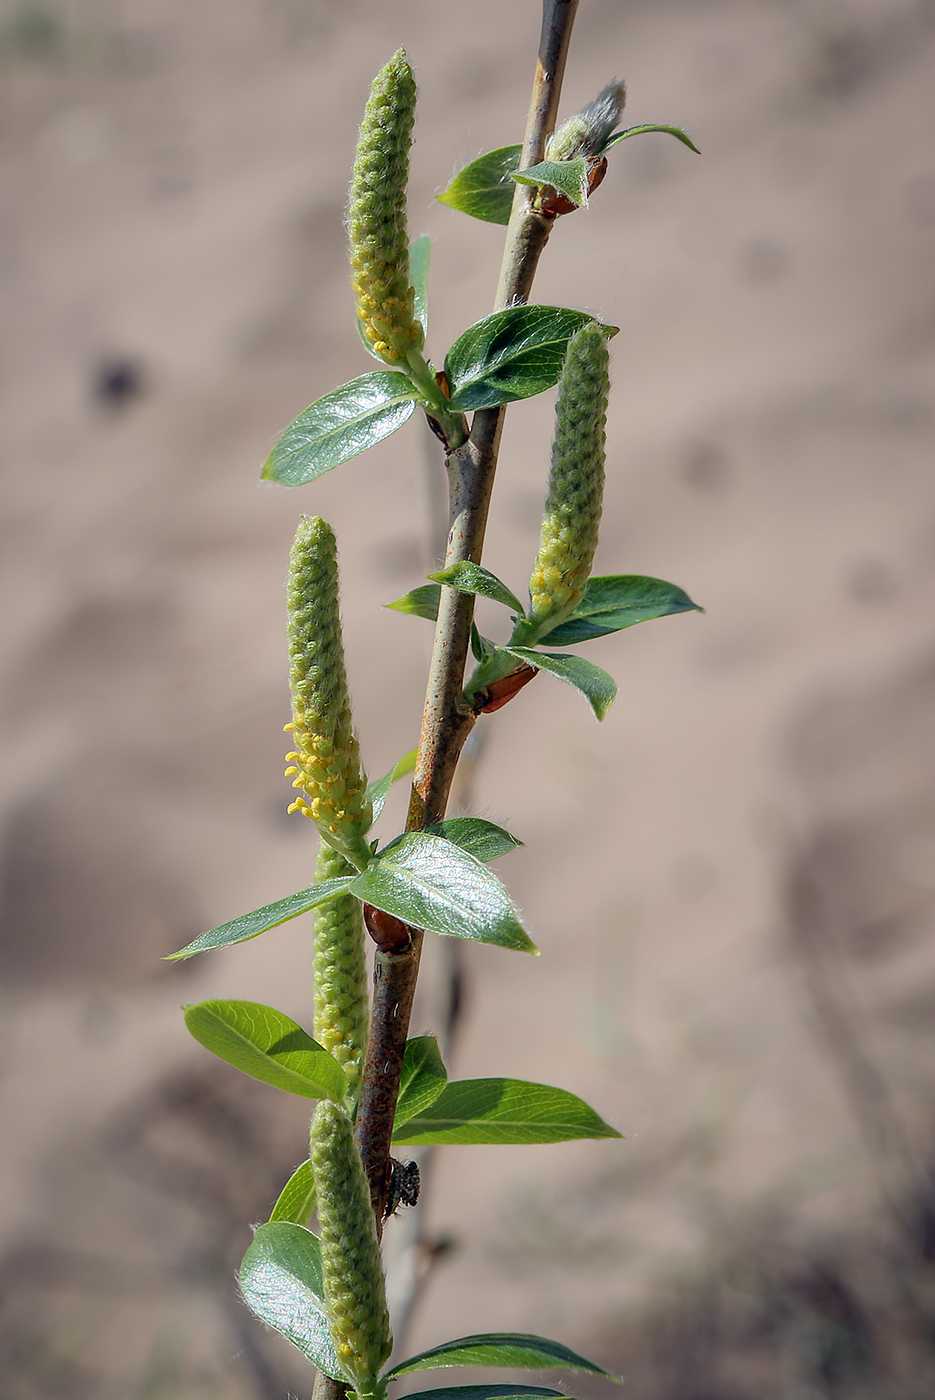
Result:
<point x="447" y="720"/>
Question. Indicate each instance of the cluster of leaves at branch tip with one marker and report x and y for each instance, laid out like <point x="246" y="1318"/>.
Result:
<point x="379" y="242"/>
<point x="572" y="515"/>
<point x="340" y="967"/>
<point x="352" y="1275"/>
<point x="325" y="764"/>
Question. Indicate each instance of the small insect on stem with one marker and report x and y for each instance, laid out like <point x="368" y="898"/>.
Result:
<point x="501" y="691"/>
<point x="402" y="1186"/>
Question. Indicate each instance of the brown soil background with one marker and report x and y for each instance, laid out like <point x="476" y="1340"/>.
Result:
<point x="731" y="880"/>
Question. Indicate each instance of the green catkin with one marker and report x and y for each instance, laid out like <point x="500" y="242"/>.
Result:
<point x="325" y="764"/>
<point x="340" y="966"/>
<point x="352" y="1272"/>
<point x="587" y="132"/>
<point x="573" y="507"/>
<point x="376" y="216"/>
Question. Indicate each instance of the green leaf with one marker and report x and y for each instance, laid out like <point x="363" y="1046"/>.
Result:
<point x="474" y="578"/>
<point x="280" y="1279"/>
<point x="423" y="1077"/>
<point x="421" y="602"/>
<point x="597" y="687"/>
<point x="484" y="188"/>
<point x="481" y="838"/>
<point x="512" y="354"/>
<point x="480" y="646"/>
<point x="259" y="920"/>
<point x="518" y="1349"/>
<point x="297" y="1198"/>
<point x="503" y="1111"/>
<point x="419" y="257"/>
<point x="488" y="1392"/>
<point x="340" y="426"/>
<point x="614" y="601"/>
<point x="377" y="792"/>
<point x="650" y="126"/>
<point x="569" y="176"/>
<point x="267" y="1045"/>
<point x="430" y="883"/>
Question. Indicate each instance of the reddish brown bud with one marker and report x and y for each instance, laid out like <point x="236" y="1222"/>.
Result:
<point x="390" y="934"/>
<point x="501" y="691"/>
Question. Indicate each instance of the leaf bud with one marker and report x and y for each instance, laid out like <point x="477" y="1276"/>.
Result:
<point x="352" y="1272"/>
<point x="325" y="764"/>
<point x="376" y="216"/>
<point x="587" y="132"/>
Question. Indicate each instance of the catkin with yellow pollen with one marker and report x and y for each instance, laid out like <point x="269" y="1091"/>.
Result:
<point x="572" y="515"/>
<point x="352" y="1273"/>
<point x="340" y="967"/>
<point x="325" y="764"/>
<point x="376" y="216"/>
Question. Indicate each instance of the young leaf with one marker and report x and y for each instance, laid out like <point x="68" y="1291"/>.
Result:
<point x="474" y="578"/>
<point x="517" y="1349"/>
<point x="267" y="1045"/>
<point x="340" y="426"/>
<point x="518" y="1391"/>
<point x="377" y="792"/>
<point x="597" y="687"/>
<point x="259" y="920"/>
<point x="481" y="838"/>
<point x="569" y="176"/>
<point x="480" y="646"/>
<point x="423" y="1077"/>
<point x="650" y="126"/>
<point x="503" y="1111"/>
<point x="421" y="602"/>
<point x="297" y="1198"/>
<point x="512" y="354"/>
<point x="280" y="1279"/>
<point x="430" y="883"/>
<point x="614" y="601"/>
<point x="484" y="188"/>
<point x="419" y="257"/>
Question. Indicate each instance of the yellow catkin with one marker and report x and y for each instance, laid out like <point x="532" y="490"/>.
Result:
<point x="325" y="763"/>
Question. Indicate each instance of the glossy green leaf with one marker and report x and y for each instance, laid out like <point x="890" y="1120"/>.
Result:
<point x="423" y="1077"/>
<point x="475" y="579"/>
<point x="503" y="1111"/>
<point x="614" y="601"/>
<point x="340" y="426"/>
<point x="420" y="255"/>
<point x="512" y="354"/>
<point x="430" y="883"/>
<point x="484" y="189"/>
<point x="267" y="1045"/>
<point x="481" y="838"/>
<point x="481" y="647"/>
<point x="259" y="920"/>
<point x="651" y="126"/>
<point x="517" y="1391"/>
<point x="597" y="687"/>
<point x="377" y="792"/>
<point x="519" y="1349"/>
<point x="421" y="602"/>
<point x="280" y="1279"/>
<point x="297" y="1198"/>
<point x="569" y="176"/>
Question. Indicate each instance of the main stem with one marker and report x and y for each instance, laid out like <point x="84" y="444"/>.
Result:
<point x="447" y="720"/>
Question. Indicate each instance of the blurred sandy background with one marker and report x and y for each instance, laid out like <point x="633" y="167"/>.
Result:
<point x="732" y="880"/>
